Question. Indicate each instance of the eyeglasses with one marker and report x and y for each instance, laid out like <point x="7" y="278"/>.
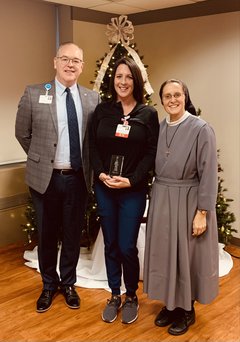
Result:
<point x="65" y="60"/>
<point x="168" y="97"/>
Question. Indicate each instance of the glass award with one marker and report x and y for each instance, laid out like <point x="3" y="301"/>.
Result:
<point x="116" y="165"/>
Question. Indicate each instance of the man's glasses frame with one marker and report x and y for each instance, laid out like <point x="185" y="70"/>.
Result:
<point x="66" y="60"/>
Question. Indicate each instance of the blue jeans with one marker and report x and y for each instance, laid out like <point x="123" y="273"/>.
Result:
<point x="120" y="213"/>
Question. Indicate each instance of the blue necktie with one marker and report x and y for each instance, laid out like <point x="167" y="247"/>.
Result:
<point x="75" y="150"/>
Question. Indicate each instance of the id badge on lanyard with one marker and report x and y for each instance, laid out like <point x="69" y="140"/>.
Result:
<point x="46" y="99"/>
<point x="123" y="130"/>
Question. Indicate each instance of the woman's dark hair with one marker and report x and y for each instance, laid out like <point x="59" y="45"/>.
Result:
<point x="188" y="103"/>
<point x="138" y="89"/>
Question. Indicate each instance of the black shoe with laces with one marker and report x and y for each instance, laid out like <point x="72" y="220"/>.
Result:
<point x="44" y="302"/>
<point x="112" y="307"/>
<point x="71" y="297"/>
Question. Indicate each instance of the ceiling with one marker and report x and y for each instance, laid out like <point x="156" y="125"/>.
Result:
<point x="125" y="6"/>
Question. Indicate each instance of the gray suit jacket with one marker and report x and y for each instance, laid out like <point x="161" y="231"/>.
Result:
<point x="36" y="130"/>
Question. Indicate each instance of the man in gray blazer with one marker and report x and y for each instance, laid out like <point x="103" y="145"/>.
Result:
<point x="58" y="187"/>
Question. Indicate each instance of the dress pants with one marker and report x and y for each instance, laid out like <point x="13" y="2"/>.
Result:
<point x="60" y="215"/>
<point x="121" y="212"/>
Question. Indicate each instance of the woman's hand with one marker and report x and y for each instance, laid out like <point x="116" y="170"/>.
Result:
<point x="199" y="223"/>
<point x="103" y="176"/>
<point x="115" y="182"/>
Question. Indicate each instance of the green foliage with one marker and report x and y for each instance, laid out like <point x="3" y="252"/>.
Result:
<point x="225" y="218"/>
<point x="31" y="226"/>
<point x="199" y="112"/>
<point x="92" y="223"/>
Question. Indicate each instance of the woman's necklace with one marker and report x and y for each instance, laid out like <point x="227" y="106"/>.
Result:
<point x="174" y="123"/>
<point x="169" y="144"/>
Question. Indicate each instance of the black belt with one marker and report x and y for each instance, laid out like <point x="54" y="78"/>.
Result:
<point x="65" y="172"/>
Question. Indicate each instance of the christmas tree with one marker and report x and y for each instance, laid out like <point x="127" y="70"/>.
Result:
<point x="224" y="217"/>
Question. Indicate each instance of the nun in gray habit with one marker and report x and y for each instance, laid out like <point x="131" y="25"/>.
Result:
<point x="181" y="250"/>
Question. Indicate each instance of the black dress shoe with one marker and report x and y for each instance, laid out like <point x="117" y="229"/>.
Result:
<point x="44" y="302"/>
<point x="165" y="317"/>
<point x="71" y="297"/>
<point x="180" y="326"/>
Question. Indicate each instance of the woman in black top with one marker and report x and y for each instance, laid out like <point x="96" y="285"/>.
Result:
<point x="124" y="134"/>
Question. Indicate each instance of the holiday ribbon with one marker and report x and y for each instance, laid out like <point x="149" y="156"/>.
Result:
<point x="141" y="66"/>
<point x="102" y="70"/>
<point x="121" y="31"/>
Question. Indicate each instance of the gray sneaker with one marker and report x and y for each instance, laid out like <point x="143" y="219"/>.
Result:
<point x="110" y="312"/>
<point x="130" y="310"/>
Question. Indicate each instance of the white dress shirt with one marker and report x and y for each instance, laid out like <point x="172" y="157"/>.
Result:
<point x="62" y="156"/>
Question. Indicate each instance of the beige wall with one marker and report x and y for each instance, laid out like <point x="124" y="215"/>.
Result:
<point x="11" y="230"/>
<point x="92" y="39"/>
<point x="65" y="24"/>
<point x="27" y="36"/>
<point x="13" y="196"/>
<point x="205" y="53"/>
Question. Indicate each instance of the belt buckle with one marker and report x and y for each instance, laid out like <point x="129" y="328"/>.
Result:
<point x="62" y="172"/>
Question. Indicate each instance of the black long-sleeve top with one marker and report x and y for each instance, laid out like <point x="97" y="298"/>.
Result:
<point x="139" y="149"/>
